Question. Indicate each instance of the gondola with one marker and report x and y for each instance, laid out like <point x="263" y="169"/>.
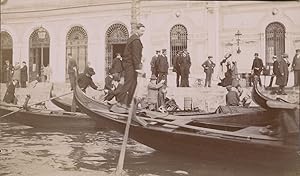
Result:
<point x="269" y="103"/>
<point x="63" y="103"/>
<point x="47" y="119"/>
<point x="179" y="136"/>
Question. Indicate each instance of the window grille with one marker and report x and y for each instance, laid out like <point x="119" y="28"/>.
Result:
<point x="178" y="40"/>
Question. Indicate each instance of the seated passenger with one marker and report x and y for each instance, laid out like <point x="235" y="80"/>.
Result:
<point x="115" y="90"/>
<point x="153" y="90"/>
<point x="232" y="97"/>
<point x="244" y="95"/>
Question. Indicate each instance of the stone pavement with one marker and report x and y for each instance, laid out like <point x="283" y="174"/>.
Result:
<point x="207" y="99"/>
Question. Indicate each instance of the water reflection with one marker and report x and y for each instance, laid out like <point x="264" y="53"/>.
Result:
<point x="28" y="151"/>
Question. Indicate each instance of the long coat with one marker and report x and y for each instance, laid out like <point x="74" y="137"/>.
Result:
<point x="154" y="65"/>
<point x="208" y="67"/>
<point x="257" y="66"/>
<point x="283" y="73"/>
<point x="117" y="66"/>
<point x="9" y="96"/>
<point x="24" y="74"/>
<point x="162" y="64"/>
<point x="184" y="62"/>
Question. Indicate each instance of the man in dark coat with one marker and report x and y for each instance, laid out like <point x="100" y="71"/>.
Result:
<point x="176" y="67"/>
<point x="208" y="66"/>
<point x="117" y="66"/>
<point x="283" y="74"/>
<point x="296" y="68"/>
<point x="72" y="69"/>
<point x="162" y="66"/>
<point x="24" y="75"/>
<point x="153" y="63"/>
<point x="132" y="64"/>
<point x="7" y="72"/>
<point x="85" y="80"/>
<point x="9" y="96"/>
<point x="275" y="70"/>
<point x="115" y="91"/>
<point x="184" y="63"/>
<point x="257" y="67"/>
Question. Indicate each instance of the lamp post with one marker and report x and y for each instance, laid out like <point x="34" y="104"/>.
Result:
<point x="238" y="34"/>
<point x="42" y="35"/>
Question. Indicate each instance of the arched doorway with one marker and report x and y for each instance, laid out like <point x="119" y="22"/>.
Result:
<point x="6" y="49"/>
<point x="178" y="40"/>
<point x="115" y="40"/>
<point x="275" y="41"/>
<point x="77" y="44"/>
<point x="38" y="54"/>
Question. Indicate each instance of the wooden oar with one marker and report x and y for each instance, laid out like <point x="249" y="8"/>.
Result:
<point x="35" y="104"/>
<point x="131" y="114"/>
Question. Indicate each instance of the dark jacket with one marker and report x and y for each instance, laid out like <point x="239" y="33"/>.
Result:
<point x="133" y="52"/>
<point x="257" y="66"/>
<point x="184" y="63"/>
<point x="275" y="68"/>
<point x="154" y="65"/>
<point x="117" y="66"/>
<point x="162" y="64"/>
<point x="283" y="73"/>
<point x="7" y="72"/>
<point x="108" y="82"/>
<point x="24" y="74"/>
<point x="9" y="96"/>
<point x="232" y="98"/>
<point x="84" y="81"/>
<point x="175" y="63"/>
<point x="115" y="93"/>
<point x="296" y="63"/>
<point x="208" y="67"/>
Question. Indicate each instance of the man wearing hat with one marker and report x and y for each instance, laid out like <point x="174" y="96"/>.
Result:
<point x="275" y="70"/>
<point x="208" y="66"/>
<point x="283" y="73"/>
<point x="153" y="89"/>
<point x="296" y="68"/>
<point x="162" y="66"/>
<point x="185" y="64"/>
<point x="85" y="80"/>
<point x="176" y="67"/>
<point x="257" y="67"/>
<point x="153" y="63"/>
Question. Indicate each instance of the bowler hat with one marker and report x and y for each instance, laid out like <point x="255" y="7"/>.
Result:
<point x="91" y="71"/>
<point x="256" y="54"/>
<point x="153" y="77"/>
<point x="210" y="57"/>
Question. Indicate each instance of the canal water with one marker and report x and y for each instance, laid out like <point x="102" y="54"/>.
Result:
<point x="27" y="151"/>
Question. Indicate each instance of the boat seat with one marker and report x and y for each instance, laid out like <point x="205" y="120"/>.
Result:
<point x="253" y="131"/>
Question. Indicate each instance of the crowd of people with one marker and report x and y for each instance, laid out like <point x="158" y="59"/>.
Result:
<point x="121" y="80"/>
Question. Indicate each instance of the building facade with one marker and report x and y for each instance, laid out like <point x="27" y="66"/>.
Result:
<point x="96" y="30"/>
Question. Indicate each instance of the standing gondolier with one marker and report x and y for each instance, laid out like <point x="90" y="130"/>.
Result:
<point x="275" y="70"/>
<point x="24" y="75"/>
<point x="283" y="74"/>
<point x="72" y="69"/>
<point x="132" y="64"/>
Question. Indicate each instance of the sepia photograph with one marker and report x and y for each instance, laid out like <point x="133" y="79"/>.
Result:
<point x="149" y="88"/>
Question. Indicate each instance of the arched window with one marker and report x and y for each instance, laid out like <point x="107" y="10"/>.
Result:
<point x="6" y="47"/>
<point x="178" y="40"/>
<point x="77" y="43"/>
<point x="115" y="39"/>
<point x="38" y="54"/>
<point x="275" y="41"/>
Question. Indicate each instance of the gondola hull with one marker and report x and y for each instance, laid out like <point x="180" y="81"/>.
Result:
<point x="46" y="119"/>
<point x="195" y="143"/>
